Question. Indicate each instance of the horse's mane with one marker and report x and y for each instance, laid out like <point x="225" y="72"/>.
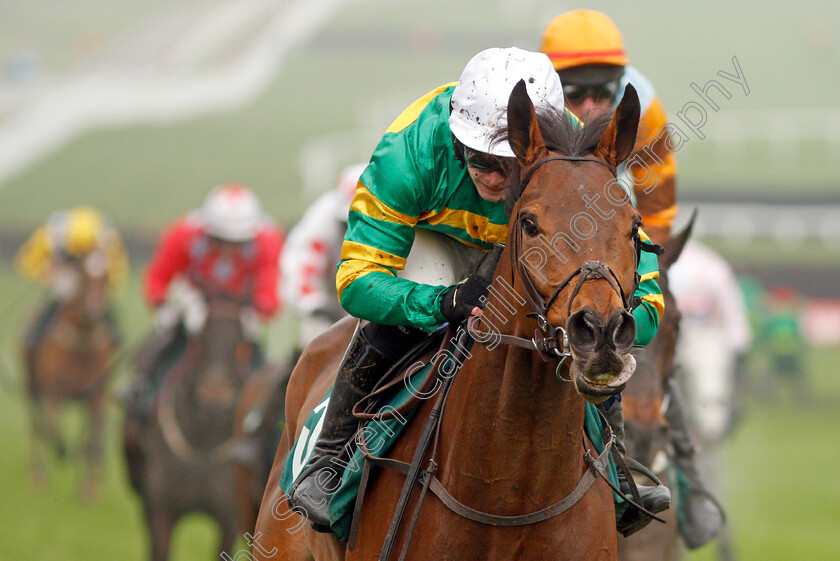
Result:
<point x="562" y="133"/>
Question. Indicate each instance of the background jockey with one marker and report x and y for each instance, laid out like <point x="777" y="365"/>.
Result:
<point x="228" y="248"/>
<point x="426" y="211"/>
<point x="69" y="235"/>
<point x="587" y="51"/>
<point x="708" y="294"/>
<point x="311" y="254"/>
<point x="710" y="301"/>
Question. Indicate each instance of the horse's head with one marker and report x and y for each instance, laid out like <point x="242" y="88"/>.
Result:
<point x="199" y="397"/>
<point x="81" y="283"/>
<point x="574" y="236"/>
<point x="220" y="352"/>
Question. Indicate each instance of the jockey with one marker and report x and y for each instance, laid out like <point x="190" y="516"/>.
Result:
<point x="433" y="193"/>
<point x="587" y="51"/>
<point x="69" y="235"/>
<point x="228" y="248"/>
<point x="707" y="290"/>
<point x="311" y="254"/>
<point x="707" y="293"/>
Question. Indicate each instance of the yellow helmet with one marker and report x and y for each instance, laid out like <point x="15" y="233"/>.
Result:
<point x="83" y="229"/>
<point x="583" y="37"/>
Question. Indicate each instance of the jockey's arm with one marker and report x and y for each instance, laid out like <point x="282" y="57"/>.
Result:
<point x="117" y="261"/>
<point x="392" y="193"/>
<point x="310" y="256"/>
<point x="649" y="312"/>
<point x="654" y="174"/>
<point x="265" y="297"/>
<point x="32" y="260"/>
<point x="169" y="260"/>
<point x="375" y="247"/>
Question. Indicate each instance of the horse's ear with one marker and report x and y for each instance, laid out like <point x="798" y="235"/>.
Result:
<point x="524" y="134"/>
<point x="620" y="137"/>
<point x="675" y="245"/>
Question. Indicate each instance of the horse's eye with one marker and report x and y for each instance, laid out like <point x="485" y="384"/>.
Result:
<point x="635" y="231"/>
<point x="529" y="227"/>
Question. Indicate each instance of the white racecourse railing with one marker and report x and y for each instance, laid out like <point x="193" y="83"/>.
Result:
<point x="784" y="131"/>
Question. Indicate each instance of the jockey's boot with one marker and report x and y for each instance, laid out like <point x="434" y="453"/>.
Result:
<point x="655" y="498"/>
<point x="701" y="516"/>
<point x="363" y="365"/>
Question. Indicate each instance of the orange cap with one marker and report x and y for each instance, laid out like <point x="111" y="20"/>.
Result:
<point x="583" y="37"/>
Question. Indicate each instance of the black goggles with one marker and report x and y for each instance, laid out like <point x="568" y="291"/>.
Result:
<point x="482" y="162"/>
<point x="598" y="92"/>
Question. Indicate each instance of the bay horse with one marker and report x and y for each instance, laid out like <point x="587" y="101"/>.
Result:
<point x="71" y="362"/>
<point x="646" y="428"/>
<point x="511" y="436"/>
<point x="185" y="456"/>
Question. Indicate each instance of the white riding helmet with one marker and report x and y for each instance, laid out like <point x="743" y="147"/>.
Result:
<point x="479" y="102"/>
<point x="232" y="213"/>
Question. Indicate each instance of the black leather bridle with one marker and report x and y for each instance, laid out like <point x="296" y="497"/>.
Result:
<point x="546" y="339"/>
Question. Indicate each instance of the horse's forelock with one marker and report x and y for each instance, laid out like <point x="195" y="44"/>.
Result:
<point x="563" y="134"/>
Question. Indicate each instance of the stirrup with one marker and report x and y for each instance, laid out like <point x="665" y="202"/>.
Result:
<point x="635" y="518"/>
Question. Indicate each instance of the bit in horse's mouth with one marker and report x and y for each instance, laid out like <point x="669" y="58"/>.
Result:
<point x="597" y="390"/>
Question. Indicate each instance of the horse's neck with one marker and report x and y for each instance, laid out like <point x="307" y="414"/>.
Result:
<point x="511" y="428"/>
<point x="71" y="332"/>
<point x="220" y="340"/>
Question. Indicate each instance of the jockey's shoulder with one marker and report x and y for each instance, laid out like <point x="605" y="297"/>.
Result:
<point x="270" y="233"/>
<point x="184" y="229"/>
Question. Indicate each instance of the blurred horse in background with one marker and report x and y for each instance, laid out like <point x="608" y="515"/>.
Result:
<point x="714" y="338"/>
<point x="71" y="362"/>
<point x="183" y="462"/>
<point x="646" y="428"/>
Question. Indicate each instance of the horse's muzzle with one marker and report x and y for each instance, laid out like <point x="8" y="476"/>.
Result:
<point x="597" y="388"/>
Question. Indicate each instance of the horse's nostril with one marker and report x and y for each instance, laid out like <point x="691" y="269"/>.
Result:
<point x="622" y="326"/>
<point x="584" y="329"/>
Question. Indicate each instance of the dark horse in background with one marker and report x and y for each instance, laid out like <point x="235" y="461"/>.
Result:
<point x="645" y="424"/>
<point x="183" y="462"/>
<point x="71" y="361"/>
